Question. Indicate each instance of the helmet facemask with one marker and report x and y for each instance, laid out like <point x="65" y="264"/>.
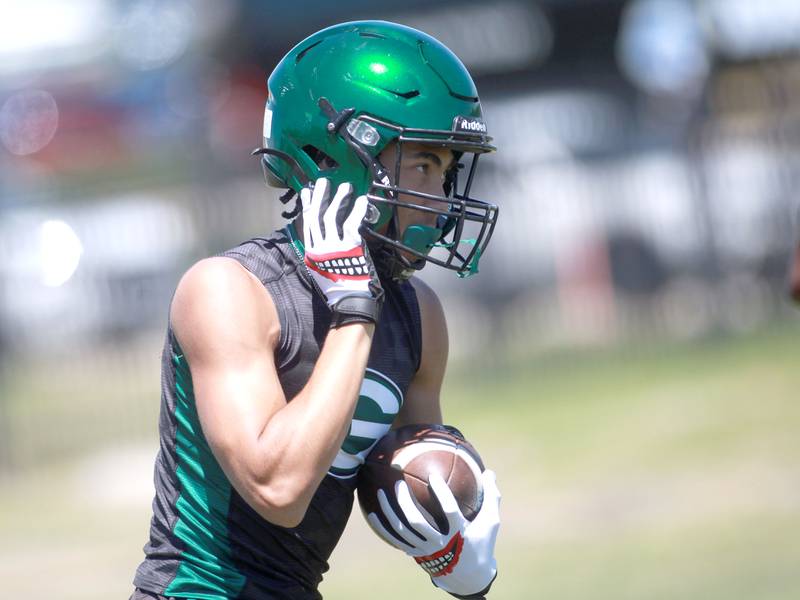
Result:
<point x="464" y="225"/>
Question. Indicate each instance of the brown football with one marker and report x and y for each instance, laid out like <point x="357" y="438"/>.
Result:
<point x="413" y="452"/>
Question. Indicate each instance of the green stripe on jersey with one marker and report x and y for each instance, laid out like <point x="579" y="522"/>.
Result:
<point x="207" y="571"/>
<point x="354" y="444"/>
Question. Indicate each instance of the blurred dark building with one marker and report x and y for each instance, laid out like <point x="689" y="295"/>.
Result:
<point x="647" y="148"/>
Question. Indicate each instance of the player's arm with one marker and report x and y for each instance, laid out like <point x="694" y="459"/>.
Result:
<point x="274" y="452"/>
<point x="422" y="401"/>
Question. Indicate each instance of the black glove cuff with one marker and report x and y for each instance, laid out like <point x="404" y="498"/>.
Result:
<point x="355" y="309"/>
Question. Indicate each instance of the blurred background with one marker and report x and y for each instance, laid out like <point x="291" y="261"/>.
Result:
<point x="626" y="360"/>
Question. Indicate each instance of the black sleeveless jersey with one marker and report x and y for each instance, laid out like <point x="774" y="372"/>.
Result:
<point x="205" y="541"/>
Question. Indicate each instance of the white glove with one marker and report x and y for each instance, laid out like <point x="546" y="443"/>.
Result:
<point x="461" y="561"/>
<point x="335" y="253"/>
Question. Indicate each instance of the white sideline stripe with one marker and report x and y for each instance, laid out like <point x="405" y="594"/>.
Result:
<point x="409" y="453"/>
<point x="382" y="396"/>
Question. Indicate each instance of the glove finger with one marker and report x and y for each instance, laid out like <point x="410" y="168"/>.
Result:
<point x="415" y="518"/>
<point x="489" y="480"/>
<point x="448" y="502"/>
<point x="353" y="221"/>
<point x="379" y="529"/>
<point x="489" y="514"/>
<point x="312" y="218"/>
<point x="343" y="193"/>
<point x="404" y="532"/>
<point x="305" y="199"/>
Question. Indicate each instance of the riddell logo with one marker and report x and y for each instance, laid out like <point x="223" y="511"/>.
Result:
<point x="467" y="124"/>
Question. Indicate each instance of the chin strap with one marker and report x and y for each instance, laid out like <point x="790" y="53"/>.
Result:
<point x="389" y="264"/>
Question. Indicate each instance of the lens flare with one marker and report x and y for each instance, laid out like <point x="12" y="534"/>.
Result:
<point x="28" y="121"/>
<point x="60" y="252"/>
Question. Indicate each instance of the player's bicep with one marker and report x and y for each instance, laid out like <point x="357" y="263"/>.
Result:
<point x="226" y="325"/>
<point x="235" y="399"/>
<point x="422" y="401"/>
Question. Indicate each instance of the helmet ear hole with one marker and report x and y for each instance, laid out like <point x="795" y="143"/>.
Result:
<point x="322" y="160"/>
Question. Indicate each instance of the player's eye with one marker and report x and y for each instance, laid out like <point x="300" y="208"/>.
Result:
<point x="429" y="171"/>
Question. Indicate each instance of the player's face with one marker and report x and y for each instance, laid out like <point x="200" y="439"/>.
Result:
<point x="422" y="168"/>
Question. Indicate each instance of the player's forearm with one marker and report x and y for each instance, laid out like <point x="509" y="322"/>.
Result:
<point x="301" y="440"/>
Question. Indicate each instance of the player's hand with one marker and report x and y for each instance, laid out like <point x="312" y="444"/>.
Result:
<point x="337" y="256"/>
<point x="460" y="561"/>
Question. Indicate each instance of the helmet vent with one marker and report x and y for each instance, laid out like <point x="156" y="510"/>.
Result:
<point x="369" y="34"/>
<point x="322" y="160"/>
<point x="467" y="98"/>
<point x="303" y="52"/>
<point x="406" y="95"/>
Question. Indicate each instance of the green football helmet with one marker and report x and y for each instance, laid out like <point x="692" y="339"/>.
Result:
<point x="339" y="97"/>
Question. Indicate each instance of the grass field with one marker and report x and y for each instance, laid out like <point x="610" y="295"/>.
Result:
<point x="639" y="473"/>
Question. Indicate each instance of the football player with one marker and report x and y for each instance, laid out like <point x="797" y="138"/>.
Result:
<point x="287" y="357"/>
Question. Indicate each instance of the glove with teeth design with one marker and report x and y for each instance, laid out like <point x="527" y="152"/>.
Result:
<point x="460" y="561"/>
<point x="336" y="255"/>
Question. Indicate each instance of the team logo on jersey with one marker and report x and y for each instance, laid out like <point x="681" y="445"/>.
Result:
<point x="379" y="401"/>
